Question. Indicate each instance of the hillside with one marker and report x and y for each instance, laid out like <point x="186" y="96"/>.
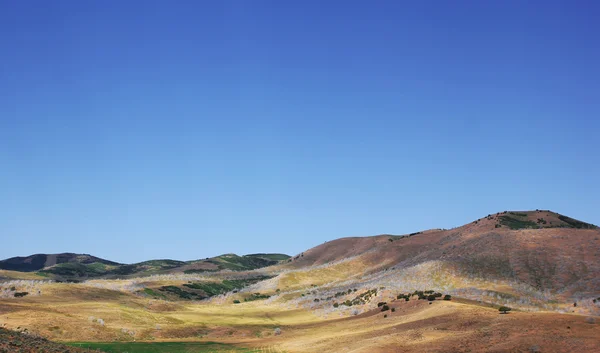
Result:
<point x="22" y="342"/>
<point x="540" y="249"/>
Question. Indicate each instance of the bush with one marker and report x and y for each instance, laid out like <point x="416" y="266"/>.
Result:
<point x="431" y="297"/>
<point x="20" y="294"/>
<point x="385" y="308"/>
<point x="447" y="297"/>
<point x="393" y="310"/>
<point x="504" y="309"/>
<point x="335" y="305"/>
<point x="236" y="301"/>
<point x="380" y="304"/>
<point x="277" y="331"/>
<point x="406" y="298"/>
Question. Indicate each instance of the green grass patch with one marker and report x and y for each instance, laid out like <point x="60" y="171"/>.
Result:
<point x="162" y="347"/>
<point x="154" y="293"/>
<point x="575" y="223"/>
<point x="516" y="223"/>
<point x="180" y="292"/>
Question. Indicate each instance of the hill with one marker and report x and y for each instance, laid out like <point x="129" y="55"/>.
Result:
<point x="40" y="261"/>
<point x="540" y="249"/>
<point x="76" y="267"/>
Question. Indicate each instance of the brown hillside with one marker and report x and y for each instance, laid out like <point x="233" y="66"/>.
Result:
<point x="543" y="249"/>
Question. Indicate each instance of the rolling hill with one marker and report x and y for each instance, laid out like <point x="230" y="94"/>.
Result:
<point x="75" y="267"/>
<point x="40" y="261"/>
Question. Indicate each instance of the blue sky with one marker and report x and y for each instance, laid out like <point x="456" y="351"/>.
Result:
<point x="156" y="129"/>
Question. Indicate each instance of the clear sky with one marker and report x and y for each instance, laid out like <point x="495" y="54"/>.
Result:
<point x="134" y="130"/>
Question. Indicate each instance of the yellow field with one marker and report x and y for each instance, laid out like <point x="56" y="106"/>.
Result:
<point x="78" y="312"/>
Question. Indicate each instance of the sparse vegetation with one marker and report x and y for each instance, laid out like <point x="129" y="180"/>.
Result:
<point x="504" y="309"/>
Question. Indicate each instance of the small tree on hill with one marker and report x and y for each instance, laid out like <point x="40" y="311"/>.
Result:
<point x="504" y="309"/>
<point x="447" y="297"/>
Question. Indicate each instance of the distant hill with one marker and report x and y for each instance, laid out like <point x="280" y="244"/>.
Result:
<point x="40" y="261"/>
<point x="69" y="266"/>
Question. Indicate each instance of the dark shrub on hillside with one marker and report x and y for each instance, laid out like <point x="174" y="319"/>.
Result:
<point x="447" y="297"/>
<point x="384" y="316"/>
<point x="504" y="309"/>
<point x="21" y="294"/>
<point x="437" y="295"/>
<point x="393" y="310"/>
<point x="335" y="305"/>
<point x="431" y="297"/>
<point x="385" y="308"/>
<point x="381" y="304"/>
<point x="406" y="299"/>
<point x="236" y="301"/>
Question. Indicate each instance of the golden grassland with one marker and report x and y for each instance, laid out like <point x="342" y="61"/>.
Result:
<point x="6" y="274"/>
<point x="70" y="313"/>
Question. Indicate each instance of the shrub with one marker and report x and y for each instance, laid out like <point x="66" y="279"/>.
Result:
<point x="431" y="297"/>
<point x="385" y="308"/>
<point x="447" y="297"/>
<point x="437" y="295"/>
<point x="381" y="304"/>
<point x="335" y="305"/>
<point x="384" y="316"/>
<point x="20" y="294"/>
<point x="393" y="310"/>
<point x="236" y="301"/>
<point x="504" y="309"/>
<point x="277" y="331"/>
<point x="406" y="298"/>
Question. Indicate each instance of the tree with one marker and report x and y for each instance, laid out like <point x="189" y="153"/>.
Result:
<point x="447" y="297"/>
<point x="431" y="297"/>
<point x="504" y="309"/>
